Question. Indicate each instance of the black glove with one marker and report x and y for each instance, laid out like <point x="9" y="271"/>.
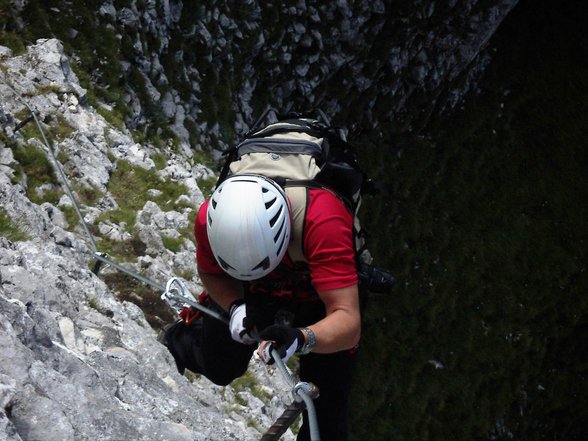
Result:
<point x="284" y="339"/>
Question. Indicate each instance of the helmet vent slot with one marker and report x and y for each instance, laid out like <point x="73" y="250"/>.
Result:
<point x="278" y="233"/>
<point x="264" y="264"/>
<point x="270" y="203"/>
<point x="281" y="246"/>
<point x="224" y="264"/>
<point x="274" y="219"/>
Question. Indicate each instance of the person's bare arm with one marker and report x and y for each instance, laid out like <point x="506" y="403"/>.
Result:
<point x="223" y="289"/>
<point x="341" y="328"/>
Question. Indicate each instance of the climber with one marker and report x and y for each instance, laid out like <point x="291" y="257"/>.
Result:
<point x="243" y="233"/>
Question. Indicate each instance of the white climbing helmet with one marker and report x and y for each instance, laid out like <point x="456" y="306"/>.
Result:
<point x="248" y="225"/>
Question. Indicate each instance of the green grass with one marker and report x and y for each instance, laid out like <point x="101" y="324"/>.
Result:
<point x="160" y="160"/>
<point x="30" y="131"/>
<point x="93" y="303"/>
<point x="114" y="116"/>
<point x="60" y="129"/>
<point x="55" y="126"/>
<point x="43" y="89"/>
<point x="207" y="185"/>
<point x="126" y="288"/>
<point x="87" y="195"/>
<point x="13" y="41"/>
<point x="22" y="114"/>
<point x="124" y="215"/>
<point x="172" y="243"/>
<point x="248" y="382"/>
<point x="191" y="376"/>
<point x="34" y="164"/>
<point x="129" y="185"/>
<point x="485" y="230"/>
<point x="123" y="250"/>
<point x="10" y="229"/>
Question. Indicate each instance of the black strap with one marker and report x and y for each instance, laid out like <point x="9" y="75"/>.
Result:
<point x="230" y="156"/>
<point x="315" y="185"/>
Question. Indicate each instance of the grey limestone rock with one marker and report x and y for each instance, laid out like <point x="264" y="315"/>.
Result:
<point x="78" y="363"/>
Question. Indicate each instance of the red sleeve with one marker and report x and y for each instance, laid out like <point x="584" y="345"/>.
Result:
<point x="204" y="257"/>
<point x="329" y="243"/>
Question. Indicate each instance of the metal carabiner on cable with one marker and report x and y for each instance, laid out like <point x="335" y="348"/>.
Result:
<point x="303" y="392"/>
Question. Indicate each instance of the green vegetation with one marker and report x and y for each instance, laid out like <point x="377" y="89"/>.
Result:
<point x="12" y="40"/>
<point x="293" y="364"/>
<point x="485" y="227"/>
<point x="34" y="165"/>
<point x="11" y="230"/>
<point x="486" y="231"/>
<point x="160" y="160"/>
<point x="114" y="115"/>
<point x="55" y="125"/>
<point x="248" y="382"/>
<point x="129" y="185"/>
<point x="191" y="376"/>
<point x="101" y="42"/>
<point x="122" y="250"/>
<point x="60" y="129"/>
<point x="42" y="89"/>
<point x="252" y="422"/>
<point x="29" y="131"/>
<point x="204" y="157"/>
<point x="22" y="114"/>
<point x="174" y="244"/>
<point x="129" y="289"/>
<point x="98" y="51"/>
<point x="207" y="185"/>
<point x="87" y="195"/>
<point x="93" y="303"/>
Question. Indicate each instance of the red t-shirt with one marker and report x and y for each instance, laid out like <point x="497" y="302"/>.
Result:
<point x="328" y="243"/>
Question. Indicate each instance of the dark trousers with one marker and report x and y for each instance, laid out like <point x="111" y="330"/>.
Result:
<point x="209" y="349"/>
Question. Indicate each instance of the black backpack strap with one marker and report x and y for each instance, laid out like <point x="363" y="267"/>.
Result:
<point x="230" y="156"/>
<point x="315" y="185"/>
<point x="261" y="119"/>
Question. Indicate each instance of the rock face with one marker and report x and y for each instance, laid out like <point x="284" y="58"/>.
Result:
<point x="77" y="363"/>
<point x="211" y="69"/>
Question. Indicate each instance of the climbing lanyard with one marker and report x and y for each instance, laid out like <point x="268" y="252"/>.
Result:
<point x="303" y="392"/>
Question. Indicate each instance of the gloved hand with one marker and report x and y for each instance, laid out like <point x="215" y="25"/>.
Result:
<point x="284" y="339"/>
<point x="241" y="324"/>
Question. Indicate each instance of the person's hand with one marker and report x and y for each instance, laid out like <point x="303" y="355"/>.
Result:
<point x="242" y="324"/>
<point x="284" y="339"/>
